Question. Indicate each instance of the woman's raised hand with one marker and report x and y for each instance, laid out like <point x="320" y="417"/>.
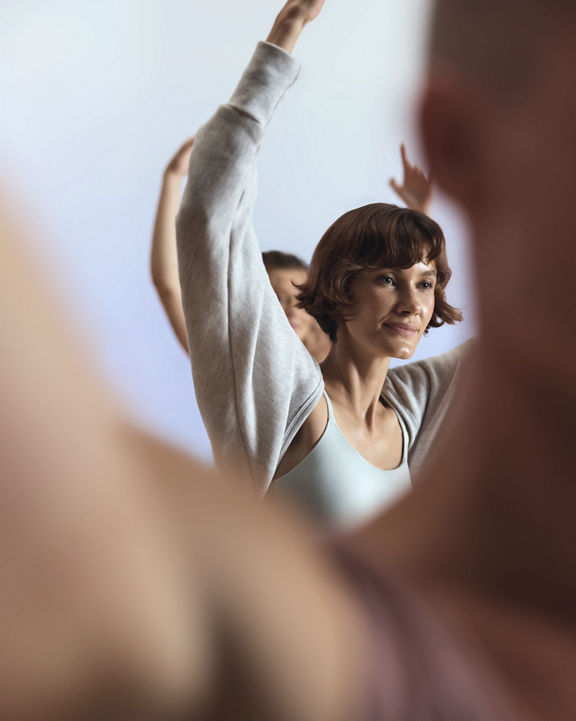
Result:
<point x="310" y="9"/>
<point x="416" y="188"/>
<point x="291" y="20"/>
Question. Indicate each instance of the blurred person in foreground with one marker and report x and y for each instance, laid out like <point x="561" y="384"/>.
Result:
<point x="488" y="536"/>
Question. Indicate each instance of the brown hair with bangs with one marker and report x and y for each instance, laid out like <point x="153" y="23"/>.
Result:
<point x="365" y="239"/>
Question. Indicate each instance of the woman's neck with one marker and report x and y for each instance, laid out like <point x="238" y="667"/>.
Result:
<point x="354" y="379"/>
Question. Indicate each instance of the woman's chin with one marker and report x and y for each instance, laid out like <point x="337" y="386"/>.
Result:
<point x="404" y="353"/>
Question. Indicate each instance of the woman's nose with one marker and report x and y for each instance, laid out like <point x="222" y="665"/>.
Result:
<point x="408" y="303"/>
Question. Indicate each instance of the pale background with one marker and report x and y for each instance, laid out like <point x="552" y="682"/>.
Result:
<point x="94" y="98"/>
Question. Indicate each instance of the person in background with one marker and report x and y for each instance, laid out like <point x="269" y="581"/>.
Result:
<point x="287" y="272"/>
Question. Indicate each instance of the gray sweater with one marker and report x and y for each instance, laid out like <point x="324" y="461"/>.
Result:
<point x="255" y="381"/>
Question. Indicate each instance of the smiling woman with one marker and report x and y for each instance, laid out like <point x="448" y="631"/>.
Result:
<point x="376" y="237"/>
<point x="337" y="438"/>
<point x="376" y="285"/>
<point x="391" y="309"/>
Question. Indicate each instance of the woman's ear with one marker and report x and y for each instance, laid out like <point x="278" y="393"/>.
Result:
<point x="449" y="127"/>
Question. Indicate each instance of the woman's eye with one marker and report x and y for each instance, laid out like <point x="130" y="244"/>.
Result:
<point x="386" y="280"/>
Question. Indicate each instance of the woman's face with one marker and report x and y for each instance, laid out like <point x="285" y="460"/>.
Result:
<point x="282" y="281"/>
<point x="391" y="309"/>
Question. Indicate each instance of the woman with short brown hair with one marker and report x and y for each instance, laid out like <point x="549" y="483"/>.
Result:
<point x="336" y="437"/>
<point x="353" y="245"/>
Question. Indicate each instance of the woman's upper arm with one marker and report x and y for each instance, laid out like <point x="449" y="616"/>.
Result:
<point x="423" y="393"/>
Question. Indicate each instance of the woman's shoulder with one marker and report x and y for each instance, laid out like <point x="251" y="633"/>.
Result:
<point x="422" y="393"/>
<point x="423" y="375"/>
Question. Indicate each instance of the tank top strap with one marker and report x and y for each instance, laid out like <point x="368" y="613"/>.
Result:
<point x="329" y="406"/>
<point x="403" y="426"/>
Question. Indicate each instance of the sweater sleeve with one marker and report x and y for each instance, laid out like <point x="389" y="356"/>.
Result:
<point x="422" y="393"/>
<point x="255" y="382"/>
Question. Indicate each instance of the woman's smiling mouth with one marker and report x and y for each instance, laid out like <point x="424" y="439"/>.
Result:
<point x="403" y="329"/>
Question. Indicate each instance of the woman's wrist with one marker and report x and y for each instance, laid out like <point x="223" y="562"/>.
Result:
<point x="287" y="28"/>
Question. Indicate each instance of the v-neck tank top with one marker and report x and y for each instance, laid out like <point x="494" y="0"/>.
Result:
<point x="337" y="485"/>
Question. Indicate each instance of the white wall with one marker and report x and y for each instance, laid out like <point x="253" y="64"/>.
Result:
<point x="94" y="98"/>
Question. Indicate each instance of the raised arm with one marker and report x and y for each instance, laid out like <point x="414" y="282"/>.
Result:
<point x="163" y="254"/>
<point x="416" y="187"/>
<point x="255" y="382"/>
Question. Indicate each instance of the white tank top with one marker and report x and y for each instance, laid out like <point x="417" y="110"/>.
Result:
<point x="337" y="485"/>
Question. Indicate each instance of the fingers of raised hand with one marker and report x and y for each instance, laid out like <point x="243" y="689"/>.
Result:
<point x="404" y="154"/>
<point x="316" y="8"/>
<point x="400" y="190"/>
<point x="308" y="10"/>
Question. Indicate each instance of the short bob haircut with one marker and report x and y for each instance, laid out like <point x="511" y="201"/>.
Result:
<point x="366" y="239"/>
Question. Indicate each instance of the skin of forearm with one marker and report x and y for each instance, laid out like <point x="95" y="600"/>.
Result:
<point x="287" y="28"/>
<point x="164" y="258"/>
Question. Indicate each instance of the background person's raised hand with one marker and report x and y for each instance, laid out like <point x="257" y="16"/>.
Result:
<point x="416" y="188"/>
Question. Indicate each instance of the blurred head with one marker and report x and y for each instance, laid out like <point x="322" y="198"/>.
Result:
<point x="362" y="243"/>
<point x="286" y="272"/>
<point x="497" y="120"/>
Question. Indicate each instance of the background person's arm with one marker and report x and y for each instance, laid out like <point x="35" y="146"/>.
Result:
<point x="163" y="255"/>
